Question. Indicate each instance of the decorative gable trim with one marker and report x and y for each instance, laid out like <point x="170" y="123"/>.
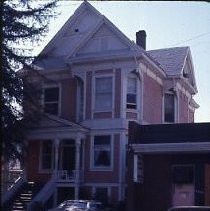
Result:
<point x="68" y="24"/>
<point x="191" y="74"/>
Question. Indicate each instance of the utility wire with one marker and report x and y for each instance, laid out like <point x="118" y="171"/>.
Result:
<point x="193" y="38"/>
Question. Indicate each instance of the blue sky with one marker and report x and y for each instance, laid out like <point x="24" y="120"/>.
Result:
<point x="167" y="24"/>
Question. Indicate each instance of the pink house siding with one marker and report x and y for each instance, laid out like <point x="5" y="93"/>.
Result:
<point x="117" y="93"/>
<point x="88" y="94"/>
<point x="32" y="163"/>
<point x="183" y="107"/>
<point x="69" y="94"/>
<point x="152" y="101"/>
<point x="191" y="116"/>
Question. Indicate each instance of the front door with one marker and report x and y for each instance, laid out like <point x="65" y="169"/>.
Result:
<point x="183" y="185"/>
<point x="68" y="158"/>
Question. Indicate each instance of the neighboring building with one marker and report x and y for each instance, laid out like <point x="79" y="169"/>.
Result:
<point x="168" y="166"/>
<point x="94" y="81"/>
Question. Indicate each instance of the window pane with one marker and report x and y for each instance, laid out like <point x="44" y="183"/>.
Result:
<point x="103" y="101"/>
<point x="102" y="140"/>
<point x="102" y="158"/>
<point x="102" y="151"/>
<point x="103" y="94"/>
<point x="131" y="93"/>
<point x="104" y="85"/>
<point x="131" y="85"/>
<point x="169" y="108"/>
<point x="131" y="98"/>
<point x="51" y="94"/>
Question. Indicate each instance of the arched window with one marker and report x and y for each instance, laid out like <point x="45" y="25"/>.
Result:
<point x="169" y="107"/>
<point x="131" y="99"/>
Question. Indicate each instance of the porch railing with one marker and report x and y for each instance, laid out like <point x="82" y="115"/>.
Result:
<point x="69" y="176"/>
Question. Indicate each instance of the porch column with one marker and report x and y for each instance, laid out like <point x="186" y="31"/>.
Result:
<point x="56" y="145"/>
<point x="77" y="167"/>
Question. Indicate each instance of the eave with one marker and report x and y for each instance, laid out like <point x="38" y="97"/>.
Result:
<point x="166" y="148"/>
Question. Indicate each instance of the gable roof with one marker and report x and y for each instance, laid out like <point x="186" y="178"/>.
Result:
<point x="78" y="31"/>
<point x="52" y="121"/>
<point x="175" y="62"/>
<point x="171" y="59"/>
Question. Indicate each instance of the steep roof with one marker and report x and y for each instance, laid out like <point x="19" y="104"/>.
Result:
<point x="172" y="60"/>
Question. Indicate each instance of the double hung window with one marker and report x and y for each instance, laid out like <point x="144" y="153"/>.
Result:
<point x="51" y="100"/>
<point x="169" y="106"/>
<point x="103" y="93"/>
<point x="131" y="93"/>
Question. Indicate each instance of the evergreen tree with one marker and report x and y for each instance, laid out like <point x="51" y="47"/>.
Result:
<point x="24" y="24"/>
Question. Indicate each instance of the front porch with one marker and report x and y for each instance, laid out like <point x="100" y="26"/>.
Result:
<point x="60" y="146"/>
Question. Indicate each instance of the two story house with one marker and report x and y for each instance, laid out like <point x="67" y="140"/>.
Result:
<point x="95" y="80"/>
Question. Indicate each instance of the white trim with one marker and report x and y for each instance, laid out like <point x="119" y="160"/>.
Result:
<point x="152" y="75"/>
<point x="195" y="147"/>
<point x="105" y="75"/>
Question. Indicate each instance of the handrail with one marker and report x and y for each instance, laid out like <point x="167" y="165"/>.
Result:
<point x="43" y="195"/>
<point x="13" y="189"/>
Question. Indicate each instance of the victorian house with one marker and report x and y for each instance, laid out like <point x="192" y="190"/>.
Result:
<point x="94" y="81"/>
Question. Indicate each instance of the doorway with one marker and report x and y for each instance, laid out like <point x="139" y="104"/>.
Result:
<point x="68" y="157"/>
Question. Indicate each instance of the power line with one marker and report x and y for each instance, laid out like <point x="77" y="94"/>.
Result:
<point x="193" y="38"/>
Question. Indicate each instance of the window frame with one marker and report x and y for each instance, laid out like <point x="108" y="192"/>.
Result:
<point x="103" y="109"/>
<point x="49" y="86"/>
<point x="92" y="161"/>
<point x="131" y="76"/>
<point x="174" y="107"/>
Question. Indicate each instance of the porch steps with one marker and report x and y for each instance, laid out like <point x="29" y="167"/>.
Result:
<point x="25" y="196"/>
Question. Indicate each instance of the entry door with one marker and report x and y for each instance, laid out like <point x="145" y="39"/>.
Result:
<point x="183" y="195"/>
<point x="68" y="158"/>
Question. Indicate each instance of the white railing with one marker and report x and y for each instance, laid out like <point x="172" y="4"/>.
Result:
<point x="41" y="198"/>
<point x="69" y="176"/>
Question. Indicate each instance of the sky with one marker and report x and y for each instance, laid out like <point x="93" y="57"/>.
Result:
<point x="167" y="24"/>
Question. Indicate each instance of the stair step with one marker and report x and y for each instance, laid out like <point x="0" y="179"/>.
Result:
<point x="25" y="196"/>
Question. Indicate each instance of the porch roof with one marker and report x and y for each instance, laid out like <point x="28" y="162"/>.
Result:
<point x="170" y="138"/>
<point x="51" y="127"/>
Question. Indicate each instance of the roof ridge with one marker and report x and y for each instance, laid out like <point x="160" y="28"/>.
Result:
<point x="169" y="48"/>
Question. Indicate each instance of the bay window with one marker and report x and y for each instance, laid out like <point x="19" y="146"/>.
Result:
<point x="131" y="93"/>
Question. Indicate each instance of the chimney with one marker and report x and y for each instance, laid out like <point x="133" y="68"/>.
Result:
<point x="141" y="38"/>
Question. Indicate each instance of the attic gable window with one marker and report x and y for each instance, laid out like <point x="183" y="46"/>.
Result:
<point x="51" y="100"/>
<point x="103" y="93"/>
<point x="169" y="107"/>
